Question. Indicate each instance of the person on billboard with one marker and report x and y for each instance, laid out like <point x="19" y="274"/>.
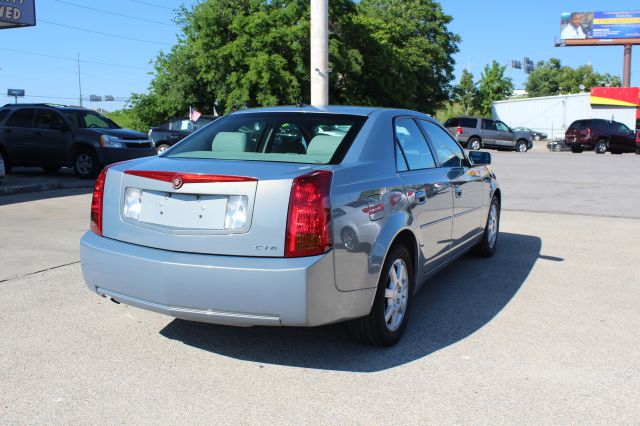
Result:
<point x="573" y="30"/>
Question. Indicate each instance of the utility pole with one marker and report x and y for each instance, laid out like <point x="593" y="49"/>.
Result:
<point x="626" y="74"/>
<point x="79" y="80"/>
<point x="320" y="53"/>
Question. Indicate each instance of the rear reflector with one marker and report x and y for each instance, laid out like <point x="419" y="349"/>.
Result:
<point x="459" y="131"/>
<point x="308" y="224"/>
<point x="96" y="202"/>
<point x="188" y="177"/>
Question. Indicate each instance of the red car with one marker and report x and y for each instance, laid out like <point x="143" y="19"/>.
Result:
<point x="601" y="136"/>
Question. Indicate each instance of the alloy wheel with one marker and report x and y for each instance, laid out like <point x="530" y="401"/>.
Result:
<point x="84" y="164"/>
<point x="492" y="226"/>
<point x="396" y="295"/>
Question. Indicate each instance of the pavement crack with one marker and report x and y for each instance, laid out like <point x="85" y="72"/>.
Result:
<point x="38" y="272"/>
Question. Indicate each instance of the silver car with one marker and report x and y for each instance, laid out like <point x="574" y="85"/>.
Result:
<point x="243" y="223"/>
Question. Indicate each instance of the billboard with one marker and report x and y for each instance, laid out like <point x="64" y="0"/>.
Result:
<point x="601" y="27"/>
<point x="17" y="13"/>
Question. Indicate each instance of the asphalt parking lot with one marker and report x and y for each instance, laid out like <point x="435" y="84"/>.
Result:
<point x="544" y="332"/>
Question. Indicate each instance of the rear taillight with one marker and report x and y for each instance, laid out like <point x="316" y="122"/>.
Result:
<point x="638" y="137"/>
<point x="308" y="224"/>
<point x="588" y="131"/>
<point x="96" y="202"/>
<point x="459" y="131"/>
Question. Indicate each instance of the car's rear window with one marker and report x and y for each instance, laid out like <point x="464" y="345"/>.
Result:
<point x="278" y="137"/>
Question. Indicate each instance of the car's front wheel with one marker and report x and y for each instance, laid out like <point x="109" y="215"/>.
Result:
<point x="474" y="144"/>
<point x="389" y="314"/>
<point x="85" y="164"/>
<point x="487" y="246"/>
<point x="601" y="147"/>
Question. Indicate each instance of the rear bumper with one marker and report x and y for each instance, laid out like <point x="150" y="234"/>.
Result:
<point x="108" y="156"/>
<point x="242" y="291"/>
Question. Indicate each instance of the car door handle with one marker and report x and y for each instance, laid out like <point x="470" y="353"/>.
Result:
<point x="458" y="192"/>
<point x="421" y="197"/>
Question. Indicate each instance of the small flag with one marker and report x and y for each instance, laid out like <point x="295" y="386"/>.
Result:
<point x="194" y="115"/>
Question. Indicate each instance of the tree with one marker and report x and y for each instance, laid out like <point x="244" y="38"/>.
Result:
<point x="256" y="53"/>
<point x="551" y="78"/>
<point x="493" y="86"/>
<point x="465" y="92"/>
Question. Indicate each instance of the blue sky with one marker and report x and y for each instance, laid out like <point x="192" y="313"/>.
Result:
<point x="500" y="30"/>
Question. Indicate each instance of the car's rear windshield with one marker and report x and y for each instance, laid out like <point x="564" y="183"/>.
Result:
<point x="316" y="138"/>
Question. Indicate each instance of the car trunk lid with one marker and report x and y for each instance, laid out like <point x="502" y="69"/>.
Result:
<point x="201" y="206"/>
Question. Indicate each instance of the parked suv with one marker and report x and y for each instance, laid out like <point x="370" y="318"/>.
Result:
<point x="601" y="136"/>
<point x="173" y="131"/>
<point x="475" y="133"/>
<point x="55" y="136"/>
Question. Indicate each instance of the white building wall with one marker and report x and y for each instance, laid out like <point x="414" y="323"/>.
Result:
<point x="554" y="114"/>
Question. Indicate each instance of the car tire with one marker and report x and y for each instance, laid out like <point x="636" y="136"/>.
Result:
<point x="85" y="164"/>
<point x="600" y="147"/>
<point x="557" y="148"/>
<point x="474" y="144"/>
<point x="51" y="169"/>
<point x="7" y="164"/>
<point x="487" y="246"/>
<point x="349" y="239"/>
<point x="162" y="148"/>
<point x="389" y="314"/>
<point x="576" y="150"/>
<point x="521" y="146"/>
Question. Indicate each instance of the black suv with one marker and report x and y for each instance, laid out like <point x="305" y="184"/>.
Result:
<point x="173" y="131"/>
<point x="601" y="136"/>
<point x="475" y="133"/>
<point x="55" y="136"/>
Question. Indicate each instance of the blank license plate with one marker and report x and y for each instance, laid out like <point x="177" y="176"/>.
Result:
<point x="187" y="211"/>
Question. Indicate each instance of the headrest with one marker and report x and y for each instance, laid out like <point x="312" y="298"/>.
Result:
<point x="324" y="145"/>
<point x="229" y="142"/>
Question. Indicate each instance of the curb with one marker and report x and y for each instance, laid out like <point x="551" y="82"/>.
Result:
<point x="33" y="187"/>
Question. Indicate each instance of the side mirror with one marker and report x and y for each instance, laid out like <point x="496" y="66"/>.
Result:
<point x="480" y="158"/>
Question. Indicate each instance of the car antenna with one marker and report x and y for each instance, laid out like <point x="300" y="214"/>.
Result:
<point x="300" y="104"/>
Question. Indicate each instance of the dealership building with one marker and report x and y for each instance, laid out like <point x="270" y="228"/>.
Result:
<point x="554" y="114"/>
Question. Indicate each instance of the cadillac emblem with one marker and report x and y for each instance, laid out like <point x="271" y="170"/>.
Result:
<point x="176" y="182"/>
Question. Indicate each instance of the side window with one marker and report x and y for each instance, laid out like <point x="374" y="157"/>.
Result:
<point x="401" y="163"/>
<point x="21" y="118"/>
<point x="448" y="151"/>
<point x="619" y="128"/>
<point x="502" y="127"/>
<point x="471" y="123"/>
<point x="599" y="125"/>
<point x="413" y="145"/>
<point x="48" y="119"/>
<point x="489" y="124"/>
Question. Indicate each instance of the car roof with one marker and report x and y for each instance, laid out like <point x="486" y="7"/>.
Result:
<point x="45" y="105"/>
<point x="331" y="109"/>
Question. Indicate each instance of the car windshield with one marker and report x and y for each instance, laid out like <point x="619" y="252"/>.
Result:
<point x="277" y="137"/>
<point x="89" y="120"/>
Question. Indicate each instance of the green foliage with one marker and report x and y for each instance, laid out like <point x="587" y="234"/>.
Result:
<point x="493" y="86"/>
<point x="127" y="119"/>
<point x="551" y="78"/>
<point x="465" y="92"/>
<point x="256" y="53"/>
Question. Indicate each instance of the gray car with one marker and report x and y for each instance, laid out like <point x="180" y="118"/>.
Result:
<point x="243" y="223"/>
<point x="477" y="133"/>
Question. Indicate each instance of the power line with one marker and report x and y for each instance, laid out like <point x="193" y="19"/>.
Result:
<point x="116" y="98"/>
<point x="105" y="34"/>
<point x="152" y="4"/>
<point x="63" y="58"/>
<point x="116" y="13"/>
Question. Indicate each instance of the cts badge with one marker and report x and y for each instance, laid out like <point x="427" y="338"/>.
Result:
<point x="176" y="182"/>
<point x="265" y="248"/>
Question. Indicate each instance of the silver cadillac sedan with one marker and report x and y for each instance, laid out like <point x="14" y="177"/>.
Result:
<point x="292" y="216"/>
